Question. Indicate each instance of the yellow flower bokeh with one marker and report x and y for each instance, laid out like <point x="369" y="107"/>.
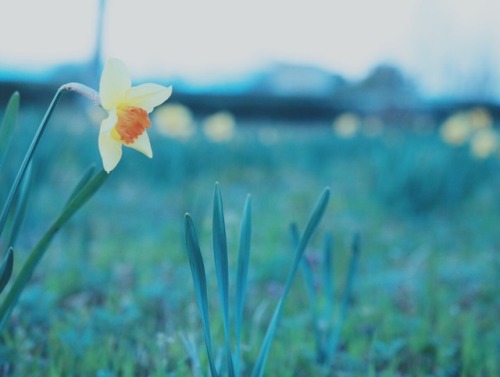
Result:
<point x="175" y="120"/>
<point x="219" y="127"/>
<point x="456" y="129"/>
<point x="460" y="127"/>
<point x="484" y="143"/>
<point x="346" y="125"/>
<point x="480" y="118"/>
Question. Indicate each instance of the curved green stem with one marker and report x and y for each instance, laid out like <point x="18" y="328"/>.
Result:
<point x="91" y="94"/>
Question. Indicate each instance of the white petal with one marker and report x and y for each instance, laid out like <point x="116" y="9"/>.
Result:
<point x="148" y="96"/>
<point x="142" y="145"/>
<point x="115" y="82"/>
<point x="110" y="122"/>
<point x="111" y="151"/>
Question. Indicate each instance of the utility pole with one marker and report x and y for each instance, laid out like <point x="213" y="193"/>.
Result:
<point x="96" y="63"/>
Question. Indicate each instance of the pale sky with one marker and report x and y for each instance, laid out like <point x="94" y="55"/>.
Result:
<point x="446" y="44"/>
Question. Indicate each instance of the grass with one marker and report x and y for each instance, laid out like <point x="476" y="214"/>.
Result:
<point x="114" y="297"/>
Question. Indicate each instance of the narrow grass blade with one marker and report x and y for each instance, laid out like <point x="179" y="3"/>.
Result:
<point x="241" y="277"/>
<point x="328" y="282"/>
<point x="27" y="159"/>
<point x="329" y="291"/>
<point x="83" y="195"/>
<point x="311" y="293"/>
<point x="86" y="177"/>
<point x="6" y="268"/>
<point x="200" y="285"/>
<point x="8" y="124"/>
<point x="314" y="220"/>
<point x="346" y="297"/>
<point x="306" y="267"/>
<point x="221" y="269"/>
<point x="37" y="253"/>
<point x="20" y="206"/>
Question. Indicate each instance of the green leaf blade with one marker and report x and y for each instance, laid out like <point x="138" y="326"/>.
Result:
<point x="346" y="297"/>
<point x="8" y="124"/>
<point x="221" y="269"/>
<point x="308" y="274"/>
<point x="328" y="276"/>
<point x="86" y="177"/>
<point x="6" y="268"/>
<point x="20" y="207"/>
<point x="200" y="285"/>
<point x="242" y="276"/>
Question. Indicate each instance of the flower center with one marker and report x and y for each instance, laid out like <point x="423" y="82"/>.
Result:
<point x="132" y="122"/>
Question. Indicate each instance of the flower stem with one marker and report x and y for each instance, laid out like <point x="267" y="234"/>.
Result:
<point x="87" y="92"/>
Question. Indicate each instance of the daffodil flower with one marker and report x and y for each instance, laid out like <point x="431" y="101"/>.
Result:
<point x="128" y="113"/>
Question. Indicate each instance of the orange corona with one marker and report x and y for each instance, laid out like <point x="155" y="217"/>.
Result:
<point x="132" y="122"/>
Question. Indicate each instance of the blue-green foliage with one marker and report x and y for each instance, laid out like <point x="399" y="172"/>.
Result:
<point x="326" y="325"/>
<point x="221" y="265"/>
<point x="421" y="174"/>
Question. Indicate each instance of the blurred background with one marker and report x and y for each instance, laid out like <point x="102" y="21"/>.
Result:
<point x="309" y="59"/>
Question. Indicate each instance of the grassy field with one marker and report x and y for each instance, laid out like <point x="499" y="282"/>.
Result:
<point x="114" y="294"/>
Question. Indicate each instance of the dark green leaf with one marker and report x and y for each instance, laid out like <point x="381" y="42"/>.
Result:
<point x="6" y="268"/>
<point x="86" y="177"/>
<point x="346" y="297"/>
<point x="20" y="206"/>
<point x="306" y="268"/>
<point x="221" y="269"/>
<point x="8" y="124"/>
<point x="311" y="293"/>
<point x="241" y="275"/>
<point x="200" y="285"/>
<point x="328" y="282"/>
<point x="328" y="288"/>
